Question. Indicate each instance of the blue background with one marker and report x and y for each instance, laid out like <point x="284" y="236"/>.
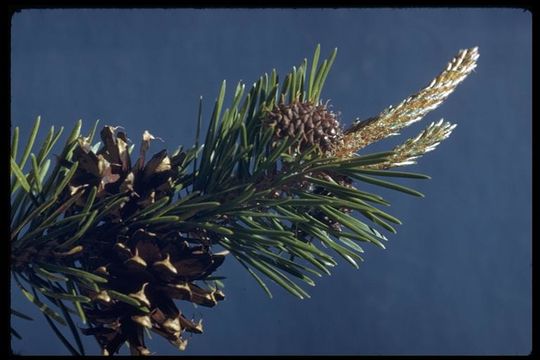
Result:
<point x="456" y="279"/>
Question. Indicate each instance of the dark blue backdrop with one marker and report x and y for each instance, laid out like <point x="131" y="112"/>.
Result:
<point x="456" y="279"/>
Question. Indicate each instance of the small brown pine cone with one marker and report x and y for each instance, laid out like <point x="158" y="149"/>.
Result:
<point x="317" y="125"/>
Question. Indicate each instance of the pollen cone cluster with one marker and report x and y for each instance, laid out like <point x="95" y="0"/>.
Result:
<point x="315" y="124"/>
<point x="145" y="270"/>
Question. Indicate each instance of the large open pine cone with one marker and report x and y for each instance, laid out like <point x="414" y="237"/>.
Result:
<point x="145" y="270"/>
<point x="153" y="271"/>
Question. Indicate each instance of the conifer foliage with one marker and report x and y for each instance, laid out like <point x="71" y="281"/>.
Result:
<point x="112" y="242"/>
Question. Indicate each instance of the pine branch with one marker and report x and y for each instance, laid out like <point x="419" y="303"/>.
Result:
<point x="274" y="183"/>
